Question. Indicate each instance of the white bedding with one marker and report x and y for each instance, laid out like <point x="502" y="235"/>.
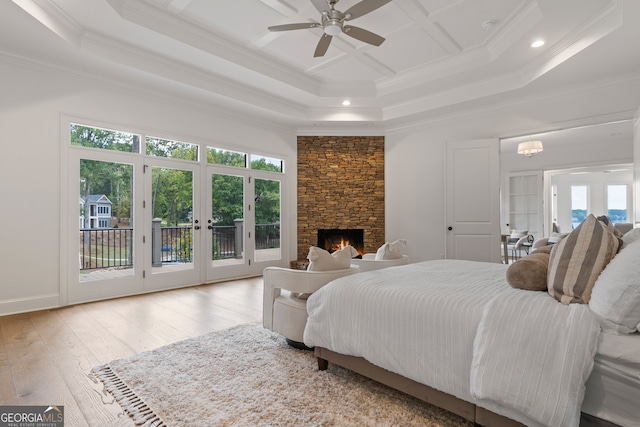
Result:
<point x="424" y="337"/>
<point x="534" y="355"/>
<point x="419" y="320"/>
<point x="613" y="389"/>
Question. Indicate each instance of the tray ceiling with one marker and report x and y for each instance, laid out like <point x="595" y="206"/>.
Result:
<point x="437" y="53"/>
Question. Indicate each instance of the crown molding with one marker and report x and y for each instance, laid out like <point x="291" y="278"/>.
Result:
<point x="54" y="18"/>
<point x="238" y="113"/>
<point x="413" y="122"/>
<point x="214" y="84"/>
<point x="193" y="35"/>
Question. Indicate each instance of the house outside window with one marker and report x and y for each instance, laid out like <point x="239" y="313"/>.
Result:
<point x="97" y="211"/>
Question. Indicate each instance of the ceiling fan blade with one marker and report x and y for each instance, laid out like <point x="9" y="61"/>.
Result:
<point x="321" y="5"/>
<point x="322" y="46"/>
<point x="364" y="7"/>
<point x="288" y="27"/>
<point x="363" y="35"/>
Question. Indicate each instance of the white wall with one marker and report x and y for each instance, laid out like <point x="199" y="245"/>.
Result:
<point x="31" y="106"/>
<point x="414" y="156"/>
<point x="414" y="192"/>
<point x="414" y="177"/>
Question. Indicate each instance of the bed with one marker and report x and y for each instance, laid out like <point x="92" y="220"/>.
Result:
<point x="455" y="334"/>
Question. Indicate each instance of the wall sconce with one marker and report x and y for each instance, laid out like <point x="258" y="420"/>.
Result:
<point x="529" y="148"/>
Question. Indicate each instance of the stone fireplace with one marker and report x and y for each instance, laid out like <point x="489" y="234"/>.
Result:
<point x="340" y="187"/>
<point x="334" y="239"/>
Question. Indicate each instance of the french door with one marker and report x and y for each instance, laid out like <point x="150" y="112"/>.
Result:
<point x="103" y="225"/>
<point x="172" y="224"/>
<point x="243" y="222"/>
<point x="139" y="223"/>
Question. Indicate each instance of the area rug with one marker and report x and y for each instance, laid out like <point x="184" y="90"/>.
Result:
<point x="248" y="376"/>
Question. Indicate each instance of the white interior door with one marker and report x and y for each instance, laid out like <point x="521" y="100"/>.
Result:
<point x="473" y="200"/>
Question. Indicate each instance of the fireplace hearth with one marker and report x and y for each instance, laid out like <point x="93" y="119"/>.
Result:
<point x="334" y="239"/>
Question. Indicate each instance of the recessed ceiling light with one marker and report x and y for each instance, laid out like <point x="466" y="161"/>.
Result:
<point x="346" y="102"/>
<point x="537" y="43"/>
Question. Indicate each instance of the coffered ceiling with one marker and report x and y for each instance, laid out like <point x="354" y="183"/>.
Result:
<point x="438" y="54"/>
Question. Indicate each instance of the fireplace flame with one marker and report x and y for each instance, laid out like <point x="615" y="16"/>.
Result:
<point x="343" y="244"/>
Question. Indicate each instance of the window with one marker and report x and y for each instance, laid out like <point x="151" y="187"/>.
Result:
<point x="578" y="204"/>
<point x="172" y="149"/>
<point x="217" y="156"/>
<point x="266" y="163"/>
<point x="105" y="139"/>
<point x="617" y="202"/>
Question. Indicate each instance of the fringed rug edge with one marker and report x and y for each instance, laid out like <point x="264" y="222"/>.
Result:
<point x="136" y="408"/>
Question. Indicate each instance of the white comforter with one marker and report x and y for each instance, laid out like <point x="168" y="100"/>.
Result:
<point x="421" y="321"/>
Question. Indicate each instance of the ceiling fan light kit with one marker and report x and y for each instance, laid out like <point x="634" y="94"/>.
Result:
<point x="332" y="28"/>
<point x="333" y="23"/>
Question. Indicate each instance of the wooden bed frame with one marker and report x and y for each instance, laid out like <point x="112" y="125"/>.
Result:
<point x="469" y="411"/>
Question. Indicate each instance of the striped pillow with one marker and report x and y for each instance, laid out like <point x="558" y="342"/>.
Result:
<point x="612" y="228"/>
<point x="577" y="260"/>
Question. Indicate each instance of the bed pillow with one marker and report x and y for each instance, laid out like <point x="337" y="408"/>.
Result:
<point x="530" y="272"/>
<point x="392" y="250"/>
<point x="615" y="299"/>
<point x="322" y="260"/>
<point x="577" y="260"/>
<point x="612" y="228"/>
<point x="630" y="237"/>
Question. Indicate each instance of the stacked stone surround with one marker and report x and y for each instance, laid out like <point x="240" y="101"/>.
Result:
<point x="340" y="185"/>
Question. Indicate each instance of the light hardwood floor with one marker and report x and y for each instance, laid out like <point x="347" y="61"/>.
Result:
<point x="46" y="356"/>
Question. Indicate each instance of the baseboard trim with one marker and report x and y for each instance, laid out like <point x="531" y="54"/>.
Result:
<point x="24" y="305"/>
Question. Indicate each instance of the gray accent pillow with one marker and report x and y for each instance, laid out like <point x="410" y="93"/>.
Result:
<point x="577" y="260"/>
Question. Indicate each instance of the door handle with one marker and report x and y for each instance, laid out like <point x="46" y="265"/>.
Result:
<point x="449" y="228"/>
<point x="196" y="227"/>
<point x="210" y="227"/>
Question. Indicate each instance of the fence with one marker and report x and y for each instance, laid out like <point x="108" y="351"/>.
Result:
<point x="113" y="247"/>
<point x="106" y="248"/>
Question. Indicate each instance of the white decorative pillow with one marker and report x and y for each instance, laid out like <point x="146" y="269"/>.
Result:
<point x="630" y="237"/>
<point x="393" y="250"/>
<point x="615" y="299"/>
<point x="321" y="260"/>
<point x="577" y="260"/>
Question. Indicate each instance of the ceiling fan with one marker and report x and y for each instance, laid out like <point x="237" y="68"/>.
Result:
<point x="333" y="23"/>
